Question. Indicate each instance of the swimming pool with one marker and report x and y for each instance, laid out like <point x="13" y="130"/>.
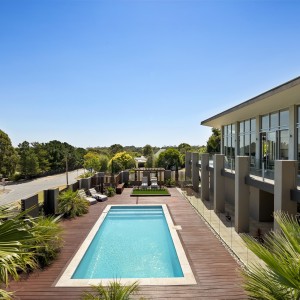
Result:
<point x="130" y="243"/>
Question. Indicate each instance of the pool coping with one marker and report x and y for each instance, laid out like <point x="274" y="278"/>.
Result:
<point x="188" y="278"/>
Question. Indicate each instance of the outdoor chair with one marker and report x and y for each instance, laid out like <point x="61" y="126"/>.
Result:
<point x="144" y="182"/>
<point x="154" y="184"/>
<point x="97" y="196"/>
<point x="83" y="195"/>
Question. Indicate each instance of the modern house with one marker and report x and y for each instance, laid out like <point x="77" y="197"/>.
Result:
<point x="257" y="170"/>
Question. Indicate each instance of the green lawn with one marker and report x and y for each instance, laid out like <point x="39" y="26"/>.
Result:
<point x="150" y="192"/>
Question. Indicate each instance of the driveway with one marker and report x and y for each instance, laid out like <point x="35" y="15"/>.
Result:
<point x="23" y="190"/>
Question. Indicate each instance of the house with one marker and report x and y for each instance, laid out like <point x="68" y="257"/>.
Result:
<point x="257" y="170"/>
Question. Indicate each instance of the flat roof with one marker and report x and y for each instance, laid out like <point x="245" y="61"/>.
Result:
<point x="277" y="98"/>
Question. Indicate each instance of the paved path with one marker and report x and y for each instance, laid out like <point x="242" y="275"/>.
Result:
<point x="23" y="190"/>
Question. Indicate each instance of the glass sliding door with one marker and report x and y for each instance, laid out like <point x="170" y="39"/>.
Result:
<point x="284" y="144"/>
<point x="272" y="149"/>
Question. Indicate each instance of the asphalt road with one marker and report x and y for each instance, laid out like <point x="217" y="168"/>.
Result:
<point x="23" y="190"/>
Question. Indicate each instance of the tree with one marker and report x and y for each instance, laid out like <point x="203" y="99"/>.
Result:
<point x="8" y="156"/>
<point x="202" y="149"/>
<point x="104" y="163"/>
<point x="279" y="279"/>
<point x="214" y="141"/>
<point x="150" y="161"/>
<point x="184" y="147"/>
<point x="147" y="150"/>
<point x="115" y="148"/>
<point x="42" y="155"/>
<point x="57" y="154"/>
<point x="92" y="161"/>
<point x="28" y="163"/>
<point x="170" y="158"/>
<point x="123" y="160"/>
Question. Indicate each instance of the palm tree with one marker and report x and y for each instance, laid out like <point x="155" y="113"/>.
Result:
<point x="115" y="291"/>
<point x="280" y="277"/>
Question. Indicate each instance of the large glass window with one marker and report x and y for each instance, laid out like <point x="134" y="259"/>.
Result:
<point x="229" y="140"/>
<point x="274" y="137"/>
<point x="247" y="139"/>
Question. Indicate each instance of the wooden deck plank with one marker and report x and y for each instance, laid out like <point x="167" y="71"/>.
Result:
<point x="215" y="270"/>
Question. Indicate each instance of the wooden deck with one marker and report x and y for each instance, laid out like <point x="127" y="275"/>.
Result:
<point x="214" y="268"/>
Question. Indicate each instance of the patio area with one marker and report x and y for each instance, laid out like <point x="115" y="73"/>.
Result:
<point x="215" y="270"/>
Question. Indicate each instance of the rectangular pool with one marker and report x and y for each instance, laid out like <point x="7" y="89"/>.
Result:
<point x="130" y="243"/>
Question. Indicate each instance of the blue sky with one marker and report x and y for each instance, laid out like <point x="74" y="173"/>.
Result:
<point x="96" y="73"/>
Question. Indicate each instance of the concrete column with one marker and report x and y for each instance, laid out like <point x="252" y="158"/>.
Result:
<point x="204" y="176"/>
<point x="292" y="133"/>
<point x="188" y="169"/>
<point x="242" y="194"/>
<point x="195" y="171"/>
<point x="219" y="183"/>
<point x="285" y="179"/>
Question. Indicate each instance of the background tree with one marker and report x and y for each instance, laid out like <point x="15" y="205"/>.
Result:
<point x="42" y="155"/>
<point x="56" y="152"/>
<point x="150" y="161"/>
<point x="214" y="141"/>
<point x="169" y="159"/>
<point x="202" y="149"/>
<point x="8" y="156"/>
<point x="147" y="150"/>
<point x="79" y="153"/>
<point x="29" y="162"/>
<point x="184" y="147"/>
<point x="92" y="161"/>
<point x="103" y="163"/>
<point x="115" y="148"/>
<point x="123" y="160"/>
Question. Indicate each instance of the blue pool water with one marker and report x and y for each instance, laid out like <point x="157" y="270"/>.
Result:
<point x="132" y="242"/>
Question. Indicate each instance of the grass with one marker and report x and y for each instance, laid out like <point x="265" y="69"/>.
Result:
<point x="151" y="192"/>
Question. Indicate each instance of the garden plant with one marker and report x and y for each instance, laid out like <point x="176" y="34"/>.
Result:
<point x="70" y="204"/>
<point x="280" y="252"/>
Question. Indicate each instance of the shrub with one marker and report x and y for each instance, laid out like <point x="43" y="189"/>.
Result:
<point x="170" y="182"/>
<point x="279" y="278"/>
<point x="87" y="175"/>
<point x="70" y="204"/>
<point x="47" y="239"/>
<point x="115" y="291"/>
<point x="110" y="191"/>
<point x="4" y="295"/>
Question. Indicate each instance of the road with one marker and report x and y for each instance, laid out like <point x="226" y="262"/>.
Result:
<point x="23" y="190"/>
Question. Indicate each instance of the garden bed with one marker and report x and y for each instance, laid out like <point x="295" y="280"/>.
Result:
<point x="149" y="192"/>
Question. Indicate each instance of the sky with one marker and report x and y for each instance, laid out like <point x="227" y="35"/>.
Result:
<point x="96" y="73"/>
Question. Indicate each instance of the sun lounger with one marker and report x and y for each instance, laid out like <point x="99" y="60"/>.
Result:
<point x="154" y="184"/>
<point x="144" y="182"/>
<point x="83" y="195"/>
<point x="97" y="196"/>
